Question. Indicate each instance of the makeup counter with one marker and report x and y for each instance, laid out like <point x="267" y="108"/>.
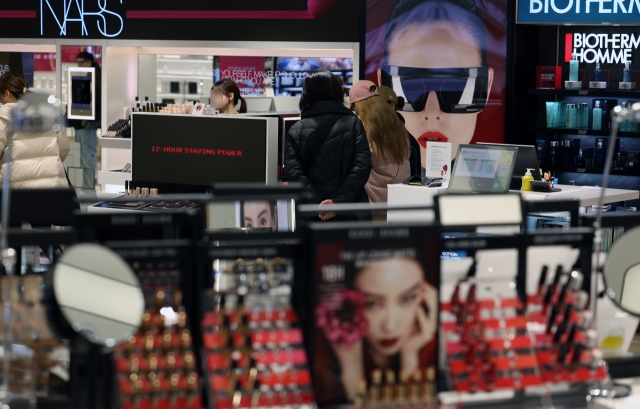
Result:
<point x="178" y="153"/>
<point x="268" y="319"/>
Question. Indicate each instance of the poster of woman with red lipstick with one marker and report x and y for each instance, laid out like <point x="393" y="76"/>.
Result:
<point x="375" y="308"/>
<point x="447" y="59"/>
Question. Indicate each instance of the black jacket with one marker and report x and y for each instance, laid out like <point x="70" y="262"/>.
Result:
<point x="343" y="162"/>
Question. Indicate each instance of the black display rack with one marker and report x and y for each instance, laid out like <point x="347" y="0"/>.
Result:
<point x="531" y="46"/>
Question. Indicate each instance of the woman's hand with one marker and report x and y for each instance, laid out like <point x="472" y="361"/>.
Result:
<point x="328" y="215"/>
<point x="351" y="366"/>
<point x="426" y="329"/>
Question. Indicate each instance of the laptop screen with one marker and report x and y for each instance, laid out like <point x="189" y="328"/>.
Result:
<point x="483" y="169"/>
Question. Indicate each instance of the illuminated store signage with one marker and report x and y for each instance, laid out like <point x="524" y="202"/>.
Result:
<point x="78" y="12"/>
<point x="201" y="20"/>
<point x="609" y="48"/>
<point x="578" y="11"/>
<point x="4" y="69"/>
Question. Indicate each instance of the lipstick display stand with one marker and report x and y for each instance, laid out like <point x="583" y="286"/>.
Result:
<point x="505" y="347"/>
<point x="253" y="344"/>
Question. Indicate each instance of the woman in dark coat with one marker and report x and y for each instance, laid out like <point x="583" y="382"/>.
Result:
<point x="327" y="151"/>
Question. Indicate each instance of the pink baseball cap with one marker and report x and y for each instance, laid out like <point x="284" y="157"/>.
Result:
<point x="361" y="90"/>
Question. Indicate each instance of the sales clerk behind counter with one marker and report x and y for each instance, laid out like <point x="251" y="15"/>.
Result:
<point x="226" y="97"/>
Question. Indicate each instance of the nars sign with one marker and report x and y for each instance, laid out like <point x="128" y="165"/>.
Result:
<point x="77" y="17"/>
<point x="579" y="11"/>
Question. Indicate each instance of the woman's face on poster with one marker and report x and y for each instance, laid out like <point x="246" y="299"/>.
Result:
<point x="258" y="214"/>
<point x="394" y="292"/>
<point x="443" y="44"/>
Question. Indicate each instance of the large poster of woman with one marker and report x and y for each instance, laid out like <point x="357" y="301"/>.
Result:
<point x="375" y="308"/>
<point x="447" y="59"/>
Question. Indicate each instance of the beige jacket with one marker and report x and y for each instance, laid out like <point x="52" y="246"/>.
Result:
<point x="37" y="157"/>
<point x="383" y="175"/>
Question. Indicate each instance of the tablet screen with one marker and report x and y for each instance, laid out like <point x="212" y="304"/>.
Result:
<point x="483" y="169"/>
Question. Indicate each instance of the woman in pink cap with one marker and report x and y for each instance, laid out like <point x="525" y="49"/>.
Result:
<point x="387" y="140"/>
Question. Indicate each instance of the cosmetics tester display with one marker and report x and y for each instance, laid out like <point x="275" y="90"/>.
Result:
<point x="252" y="339"/>
<point x="506" y="328"/>
<point x="373" y="331"/>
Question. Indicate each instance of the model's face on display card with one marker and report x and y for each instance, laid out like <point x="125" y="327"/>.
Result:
<point x="258" y="214"/>
<point x="394" y="294"/>
<point x="437" y="45"/>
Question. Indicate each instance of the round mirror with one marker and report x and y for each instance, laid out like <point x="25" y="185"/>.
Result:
<point x="622" y="272"/>
<point x="95" y="294"/>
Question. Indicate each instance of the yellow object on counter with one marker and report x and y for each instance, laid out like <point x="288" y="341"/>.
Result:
<point x="526" y="181"/>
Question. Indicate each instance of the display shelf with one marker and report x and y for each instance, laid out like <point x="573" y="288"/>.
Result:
<point x="585" y="92"/>
<point x="182" y="76"/>
<point x="115" y="143"/>
<point x="591" y="132"/>
<point x="576" y="169"/>
<point x="179" y="60"/>
<point x="113" y="177"/>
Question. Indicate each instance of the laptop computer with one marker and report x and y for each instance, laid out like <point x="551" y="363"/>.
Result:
<point x="483" y="169"/>
<point x="527" y="158"/>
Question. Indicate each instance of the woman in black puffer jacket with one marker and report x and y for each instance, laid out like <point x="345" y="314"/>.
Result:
<point x="327" y="150"/>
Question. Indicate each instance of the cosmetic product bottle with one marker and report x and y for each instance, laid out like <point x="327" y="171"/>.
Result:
<point x="580" y="162"/>
<point x="569" y="115"/>
<point x="585" y="116"/>
<point x="626" y="73"/>
<point x="553" y="151"/>
<point x="526" y="181"/>
<point x="597" y="117"/>
<point x="599" y="155"/>
<point x="579" y="116"/>
<point x="567" y="154"/>
<point x="597" y="73"/>
<point x="573" y="68"/>
<point x="574" y="118"/>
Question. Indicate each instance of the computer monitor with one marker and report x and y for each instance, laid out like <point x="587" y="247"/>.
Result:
<point x="190" y="153"/>
<point x="483" y="169"/>
<point x="81" y="96"/>
<point x="527" y="158"/>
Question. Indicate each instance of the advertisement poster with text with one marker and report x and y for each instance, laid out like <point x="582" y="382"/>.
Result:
<point x="247" y="72"/>
<point x="447" y="59"/>
<point x="375" y="307"/>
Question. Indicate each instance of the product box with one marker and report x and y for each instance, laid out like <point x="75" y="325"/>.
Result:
<point x="374" y="306"/>
<point x="607" y="105"/>
<point x="549" y="77"/>
<point x="541" y="147"/>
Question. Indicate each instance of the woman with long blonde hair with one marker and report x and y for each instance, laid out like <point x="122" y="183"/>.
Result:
<point x="387" y="140"/>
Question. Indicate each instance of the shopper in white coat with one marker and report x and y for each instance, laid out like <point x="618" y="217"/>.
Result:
<point x="36" y="157"/>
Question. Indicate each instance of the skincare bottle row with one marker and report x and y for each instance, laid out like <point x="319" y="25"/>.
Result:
<point x="577" y="116"/>
<point x="570" y="153"/>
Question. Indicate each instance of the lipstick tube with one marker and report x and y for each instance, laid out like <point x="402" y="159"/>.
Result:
<point x="577" y="354"/>
<point x="390" y="378"/>
<point x="376" y="377"/>
<point x="415" y="387"/>
<point x="361" y="396"/>
<point x="430" y="390"/>
<point x="401" y="395"/>
<point x="542" y="280"/>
